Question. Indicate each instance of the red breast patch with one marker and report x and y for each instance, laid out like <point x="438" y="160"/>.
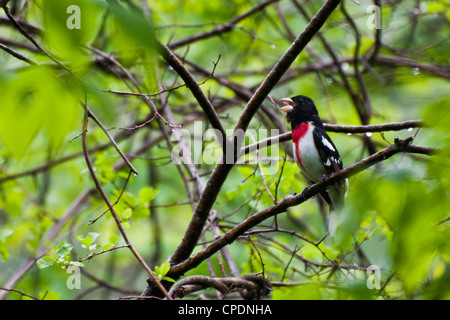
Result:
<point x="297" y="134"/>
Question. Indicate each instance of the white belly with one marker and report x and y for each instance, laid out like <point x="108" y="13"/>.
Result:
<point x="310" y="163"/>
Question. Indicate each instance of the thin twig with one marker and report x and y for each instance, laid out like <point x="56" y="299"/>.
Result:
<point x="30" y="38"/>
<point x="115" y="202"/>
<point x="21" y="293"/>
<point x="112" y="210"/>
<point x="197" y="92"/>
<point x="220" y="29"/>
<point x="94" y="254"/>
<point x="16" y="54"/>
<point x="147" y="95"/>
<point x="111" y="138"/>
<point x="394" y="126"/>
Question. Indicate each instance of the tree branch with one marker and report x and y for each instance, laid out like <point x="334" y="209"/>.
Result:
<point x="394" y="126"/>
<point x="16" y="54"/>
<point x="222" y="28"/>
<point x="111" y="207"/>
<point x="285" y="62"/>
<point x="255" y="285"/>
<point x="192" y="84"/>
<point x="438" y="70"/>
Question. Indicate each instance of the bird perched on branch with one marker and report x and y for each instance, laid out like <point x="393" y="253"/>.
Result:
<point x="314" y="151"/>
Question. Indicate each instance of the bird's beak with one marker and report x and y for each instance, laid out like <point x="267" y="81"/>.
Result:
<point x="288" y="105"/>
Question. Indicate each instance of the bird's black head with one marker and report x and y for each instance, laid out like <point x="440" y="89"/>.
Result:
<point x="300" y="109"/>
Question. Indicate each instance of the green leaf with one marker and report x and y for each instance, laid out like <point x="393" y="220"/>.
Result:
<point x="126" y="224"/>
<point x="45" y="262"/>
<point x="133" y="35"/>
<point x="107" y="246"/>
<point x="36" y="101"/>
<point x="3" y="242"/>
<point x="126" y="214"/>
<point x="20" y="119"/>
<point x="168" y="279"/>
<point x="160" y="272"/>
<point x="93" y="247"/>
<point x="141" y="213"/>
<point x="93" y="235"/>
<point x="5" y="234"/>
<point x="165" y="267"/>
<point x="88" y="241"/>
<point x="64" y="249"/>
<point x="146" y="195"/>
<point x="64" y="38"/>
<point x="113" y="239"/>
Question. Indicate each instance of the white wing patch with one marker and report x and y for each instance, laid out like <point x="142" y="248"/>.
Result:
<point x="327" y="144"/>
<point x="335" y="160"/>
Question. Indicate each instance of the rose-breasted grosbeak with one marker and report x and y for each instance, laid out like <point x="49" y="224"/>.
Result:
<point x="314" y="151"/>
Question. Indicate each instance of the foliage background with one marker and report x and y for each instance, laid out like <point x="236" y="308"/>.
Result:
<point x="397" y="211"/>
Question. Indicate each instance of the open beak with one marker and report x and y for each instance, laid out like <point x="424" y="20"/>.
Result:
<point x="288" y="105"/>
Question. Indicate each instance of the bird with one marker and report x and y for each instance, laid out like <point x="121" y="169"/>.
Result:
<point x="314" y="152"/>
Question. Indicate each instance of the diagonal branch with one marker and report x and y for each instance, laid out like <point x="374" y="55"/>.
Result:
<point x="111" y="207"/>
<point x="192" y="84"/>
<point x="111" y="138"/>
<point x="16" y="54"/>
<point x="19" y="27"/>
<point x="223" y="28"/>
<point x="285" y="62"/>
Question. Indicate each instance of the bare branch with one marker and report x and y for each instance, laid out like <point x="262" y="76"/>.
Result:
<point x="285" y="62"/>
<point x="395" y="126"/>
<point x="112" y="210"/>
<point x="192" y="84"/>
<point x="147" y="95"/>
<point x="255" y="285"/>
<point x="436" y="69"/>
<point x="222" y="28"/>
<point x="16" y="54"/>
<point x="19" y="27"/>
<point x="116" y="146"/>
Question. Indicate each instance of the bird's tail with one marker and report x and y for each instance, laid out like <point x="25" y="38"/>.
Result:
<point x="336" y="195"/>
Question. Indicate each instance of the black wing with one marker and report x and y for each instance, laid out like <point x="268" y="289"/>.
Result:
<point x="327" y="151"/>
<point x="332" y="162"/>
